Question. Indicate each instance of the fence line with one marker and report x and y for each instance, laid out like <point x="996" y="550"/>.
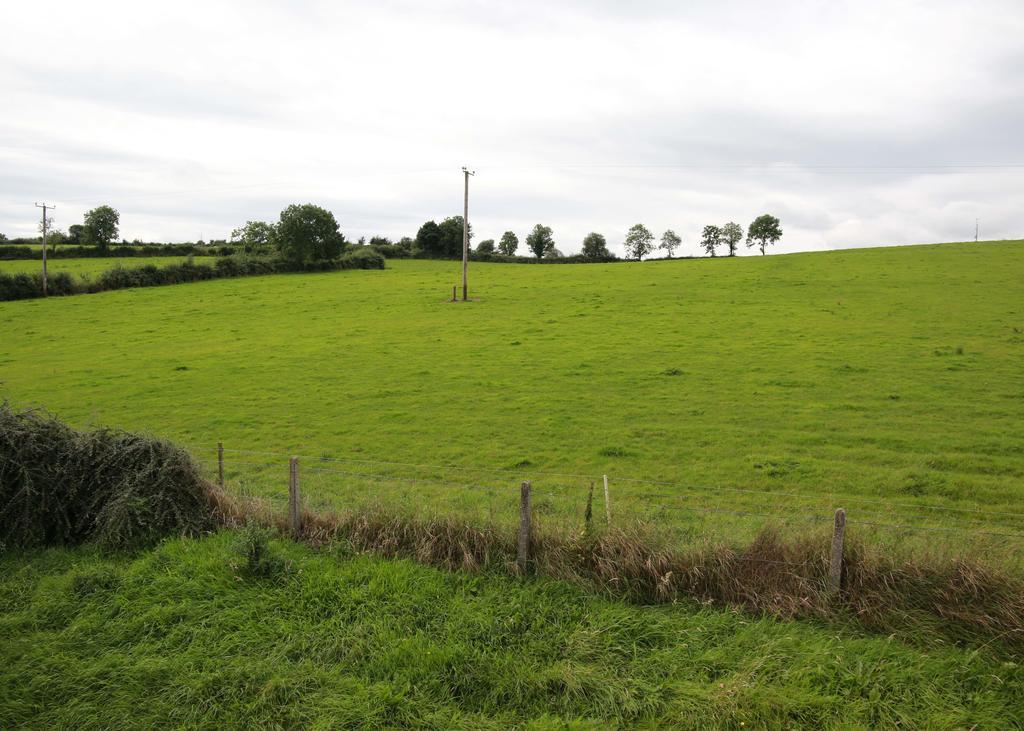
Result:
<point x="560" y="488"/>
<point x="635" y="480"/>
<point x="379" y="477"/>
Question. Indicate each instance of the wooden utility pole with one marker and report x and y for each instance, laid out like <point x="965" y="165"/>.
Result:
<point x="45" y="224"/>
<point x="465" y="236"/>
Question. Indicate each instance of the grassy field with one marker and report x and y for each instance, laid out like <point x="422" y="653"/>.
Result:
<point x="880" y="380"/>
<point x="888" y="381"/>
<point x="180" y="637"/>
<point x="85" y="267"/>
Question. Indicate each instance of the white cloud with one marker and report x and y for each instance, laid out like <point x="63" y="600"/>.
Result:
<point x="193" y="117"/>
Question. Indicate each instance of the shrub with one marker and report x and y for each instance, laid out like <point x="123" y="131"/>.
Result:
<point x="60" y="486"/>
<point x="362" y="258"/>
<point x="394" y="251"/>
<point x="60" y="284"/>
<point x="260" y="561"/>
<point x="18" y="287"/>
<point x="28" y="286"/>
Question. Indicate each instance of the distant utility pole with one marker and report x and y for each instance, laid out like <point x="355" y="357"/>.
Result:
<point x="45" y="224"/>
<point x="465" y="236"/>
<point x="975" y="230"/>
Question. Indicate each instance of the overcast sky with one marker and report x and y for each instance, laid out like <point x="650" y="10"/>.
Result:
<point x="857" y="123"/>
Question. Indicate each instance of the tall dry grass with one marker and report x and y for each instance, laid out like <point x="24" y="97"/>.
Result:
<point x="784" y="575"/>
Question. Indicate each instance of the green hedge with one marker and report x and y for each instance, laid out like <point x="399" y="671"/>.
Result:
<point x="120" y="252"/>
<point x="30" y="286"/>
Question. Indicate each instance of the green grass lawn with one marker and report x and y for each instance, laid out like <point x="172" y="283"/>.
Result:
<point x="89" y="267"/>
<point x="876" y="380"/>
<point x="179" y="637"/>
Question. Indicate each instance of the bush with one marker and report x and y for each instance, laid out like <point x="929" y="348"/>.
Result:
<point x="27" y="286"/>
<point x="60" y="486"/>
<point x="18" y="287"/>
<point x="393" y="251"/>
<point x="362" y="258"/>
<point x="260" y="561"/>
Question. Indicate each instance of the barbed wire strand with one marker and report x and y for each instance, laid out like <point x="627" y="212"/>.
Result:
<point x="636" y="480"/>
<point x="560" y="486"/>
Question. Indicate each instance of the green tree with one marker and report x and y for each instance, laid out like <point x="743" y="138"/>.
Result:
<point x="670" y="241"/>
<point x="508" y="244"/>
<point x="764" y="232"/>
<point x="255" y="236"/>
<point x="595" y="246"/>
<point x="450" y="230"/>
<point x="308" y="233"/>
<point x="485" y="247"/>
<point x="101" y="226"/>
<point x="428" y="239"/>
<point x="732" y="234"/>
<point x="710" y="239"/>
<point x="380" y="241"/>
<point x="54" y="238"/>
<point x="76" y="234"/>
<point x="4" y="239"/>
<point x="540" y="241"/>
<point x="639" y="242"/>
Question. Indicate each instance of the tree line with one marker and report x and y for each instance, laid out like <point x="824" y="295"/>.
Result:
<point x="763" y="232"/>
<point x="444" y="240"/>
<point x="309" y="233"/>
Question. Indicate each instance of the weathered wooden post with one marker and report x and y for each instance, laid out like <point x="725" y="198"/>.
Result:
<point x="523" y="554"/>
<point x="294" y="499"/>
<point x="835" y="569"/>
<point x="220" y="464"/>
<point x="607" y="504"/>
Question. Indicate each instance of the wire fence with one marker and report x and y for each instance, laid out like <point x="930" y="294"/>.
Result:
<point x="682" y="512"/>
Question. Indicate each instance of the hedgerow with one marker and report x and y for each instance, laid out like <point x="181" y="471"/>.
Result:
<point x="29" y="286"/>
<point x="9" y="252"/>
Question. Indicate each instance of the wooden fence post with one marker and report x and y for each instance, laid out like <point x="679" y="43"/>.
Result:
<point x="835" y="569"/>
<point x="220" y="464"/>
<point x="607" y="504"/>
<point x="523" y="554"/>
<point x="294" y="499"/>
